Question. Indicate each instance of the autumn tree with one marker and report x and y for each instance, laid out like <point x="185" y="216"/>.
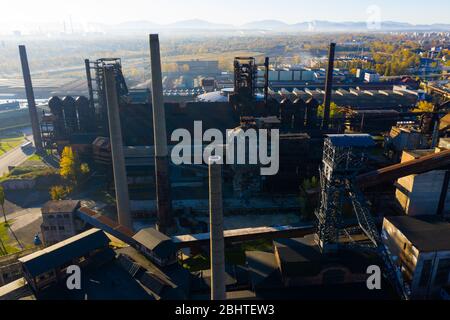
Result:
<point x="334" y="110"/>
<point x="424" y="106"/>
<point x="69" y="165"/>
<point x="59" y="192"/>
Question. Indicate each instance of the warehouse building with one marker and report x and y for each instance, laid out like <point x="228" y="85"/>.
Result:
<point x="58" y="221"/>
<point x="421" y="246"/>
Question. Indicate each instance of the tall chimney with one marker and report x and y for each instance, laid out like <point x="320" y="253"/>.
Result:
<point x="118" y="159"/>
<point x="30" y="98"/>
<point x="328" y="87"/>
<point x="217" y="246"/>
<point x="163" y="198"/>
<point x="87" y="64"/>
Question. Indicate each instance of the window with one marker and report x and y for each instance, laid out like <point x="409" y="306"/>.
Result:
<point x="50" y="216"/>
<point x="66" y="216"/>
<point x="61" y="228"/>
<point x="426" y="273"/>
<point x="53" y="228"/>
<point x="45" y="228"/>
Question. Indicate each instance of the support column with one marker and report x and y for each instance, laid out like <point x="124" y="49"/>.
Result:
<point x="118" y="159"/>
<point x="31" y="101"/>
<point x="217" y="245"/>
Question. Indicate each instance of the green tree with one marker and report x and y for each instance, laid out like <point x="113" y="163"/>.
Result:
<point x="84" y="169"/>
<point x="334" y="110"/>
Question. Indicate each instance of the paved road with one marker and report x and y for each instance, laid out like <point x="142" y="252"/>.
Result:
<point x="15" y="157"/>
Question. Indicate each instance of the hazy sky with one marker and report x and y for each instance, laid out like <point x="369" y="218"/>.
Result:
<point x="17" y="12"/>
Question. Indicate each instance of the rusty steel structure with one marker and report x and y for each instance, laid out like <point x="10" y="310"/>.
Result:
<point x="249" y="79"/>
<point x="397" y="171"/>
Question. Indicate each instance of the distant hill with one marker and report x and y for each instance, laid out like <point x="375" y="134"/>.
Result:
<point x="136" y="25"/>
<point x="197" y="24"/>
<point x="266" y="25"/>
<point x="277" y="25"/>
<point x="317" y="25"/>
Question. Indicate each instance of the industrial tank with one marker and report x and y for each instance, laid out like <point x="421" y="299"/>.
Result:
<point x="311" y="113"/>
<point x="70" y="114"/>
<point x="286" y="113"/>
<point x="299" y="113"/>
<point x="86" y="116"/>
<point x="56" y="108"/>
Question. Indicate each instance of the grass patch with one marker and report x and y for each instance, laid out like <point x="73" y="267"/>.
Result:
<point x="197" y="263"/>
<point x="233" y="256"/>
<point x="7" y="144"/>
<point x="35" y="157"/>
<point x="6" y="240"/>
<point x="236" y="255"/>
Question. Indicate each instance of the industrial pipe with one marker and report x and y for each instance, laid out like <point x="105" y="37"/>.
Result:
<point x="424" y="164"/>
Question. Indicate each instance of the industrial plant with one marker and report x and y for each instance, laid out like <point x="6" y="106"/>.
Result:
<point x="362" y="183"/>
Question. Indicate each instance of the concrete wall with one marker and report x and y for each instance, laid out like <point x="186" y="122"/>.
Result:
<point x="403" y="252"/>
<point x="58" y="227"/>
<point x="419" y="194"/>
<point x="431" y="288"/>
<point x="10" y="273"/>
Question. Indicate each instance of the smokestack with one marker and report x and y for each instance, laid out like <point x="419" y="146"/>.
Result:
<point x="87" y="64"/>
<point x="163" y="198"/>
<point x="30" y="98"/>
<point x="217" y="246"/>
<point x="328" y="87"/>
<point x="118" y="159"/>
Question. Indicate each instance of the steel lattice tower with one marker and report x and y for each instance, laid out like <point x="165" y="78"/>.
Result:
<point x="343" y="158"/>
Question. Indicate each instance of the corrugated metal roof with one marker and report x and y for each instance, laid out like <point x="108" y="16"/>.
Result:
<point x="426" y="233"/>
<point x="351" y="140"/>
<point x="155" y="241"/>
<point x="61" y="206"/>
<point x="64" y="251"/>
